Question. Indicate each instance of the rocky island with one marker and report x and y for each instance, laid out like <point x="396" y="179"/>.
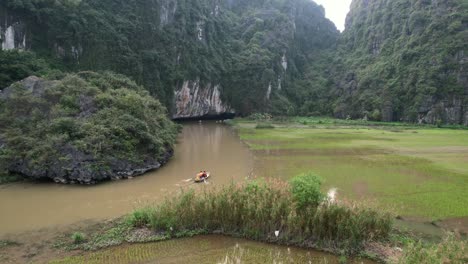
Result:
<point x="83" y="128"/>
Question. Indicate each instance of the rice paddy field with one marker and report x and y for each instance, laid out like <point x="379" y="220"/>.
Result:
<point x="414" y="171"/>
<point x="204" y="249"/>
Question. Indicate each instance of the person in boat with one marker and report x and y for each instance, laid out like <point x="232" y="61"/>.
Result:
<point x="201" y="175"/>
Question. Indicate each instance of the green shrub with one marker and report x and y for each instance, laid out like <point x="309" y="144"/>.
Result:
<point x="16" y="65"/>
<point x="8" y="178"/>
<point x="376" y="115"/>
<point x="78" y="237"/>
<point x="342" y="260"/>
<point x="305" y="189"/>
<point x="140" y="217"/>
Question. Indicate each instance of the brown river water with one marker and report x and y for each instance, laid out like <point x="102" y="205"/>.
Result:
<point x="206" y="146"/>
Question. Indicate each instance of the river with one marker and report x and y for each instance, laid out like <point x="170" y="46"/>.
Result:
<point x="206" y="146"/>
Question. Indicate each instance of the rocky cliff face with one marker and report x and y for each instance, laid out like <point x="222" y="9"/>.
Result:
<point x="12" y="31"/>
<point x="194" y="100"/>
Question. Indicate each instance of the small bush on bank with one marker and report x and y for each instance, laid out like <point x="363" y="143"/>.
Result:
<point x="256" y="210"/>
<point x="8" y="178"/>
<point x="140" y="217"/>
<point x="305" y="190"/>
<point x="78" y="237"/>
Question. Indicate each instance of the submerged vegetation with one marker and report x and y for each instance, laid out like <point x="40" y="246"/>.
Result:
<point x="269" y="211"/>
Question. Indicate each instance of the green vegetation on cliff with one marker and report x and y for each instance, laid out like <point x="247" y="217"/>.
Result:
<point x="403" y="60"/>
<point x="397" y="59"/>
<point x="244" y="46"/>
<point x="85" y="127"/>
<point x="17" y="65"/>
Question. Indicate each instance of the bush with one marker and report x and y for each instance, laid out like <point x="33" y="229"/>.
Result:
<point x="376" y="115"/>
<point x="140" y="217"/>
<point x="305" y="189"/>
<point x="8" y="178"/>
<point x="16" y="65"/>
<point x="78" y="237"/>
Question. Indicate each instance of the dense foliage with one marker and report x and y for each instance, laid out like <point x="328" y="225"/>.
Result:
<point x="16" y="65"/>
<point x="237" y="44"/>
<point x="85" y="127"/>
<point x="305" y="189"/>
<point x="396" y="60"/>
<point x="403" y="60"/>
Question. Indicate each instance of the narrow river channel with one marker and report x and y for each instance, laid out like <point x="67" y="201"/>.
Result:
<point x="206" y="146"/>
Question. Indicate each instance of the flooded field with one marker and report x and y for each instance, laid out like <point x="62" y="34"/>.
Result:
<point x="417" y="173"/>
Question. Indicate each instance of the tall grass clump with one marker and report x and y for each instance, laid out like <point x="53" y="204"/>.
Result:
<point x="274" y="211"/>
<point x="450" y="250"/>
<point x="78" y="237"/>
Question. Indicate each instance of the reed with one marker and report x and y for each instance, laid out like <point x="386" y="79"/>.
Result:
<point x="450" y="250"/>
<point x="269" y="211"/>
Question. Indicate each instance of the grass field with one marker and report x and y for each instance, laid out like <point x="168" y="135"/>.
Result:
<point x="416" y="171"/>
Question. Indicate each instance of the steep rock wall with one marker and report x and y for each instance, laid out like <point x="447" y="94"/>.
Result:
<point x="194" y="100"/>
<point x="12" y="31"/>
